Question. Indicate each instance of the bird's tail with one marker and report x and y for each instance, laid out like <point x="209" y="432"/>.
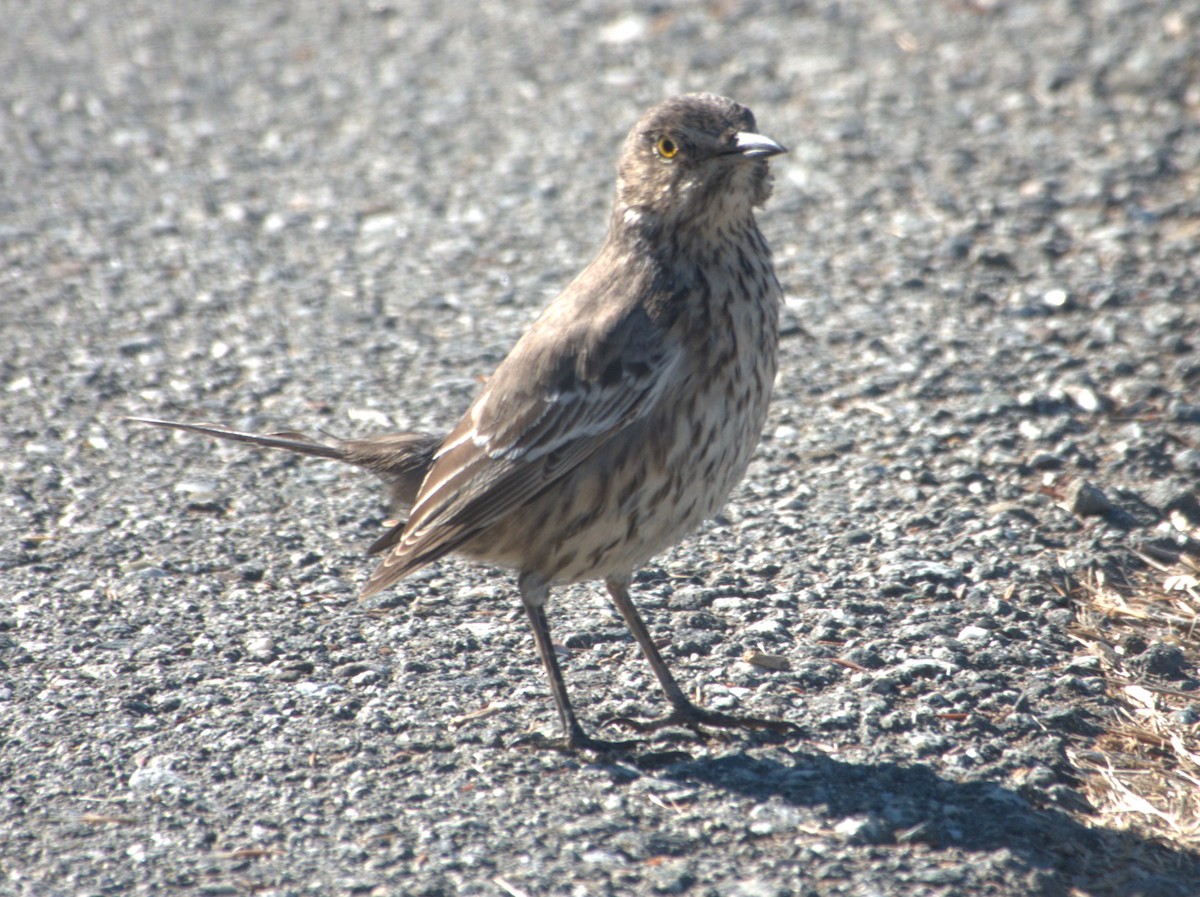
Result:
<point x="289" y="441"/>
<point x="400" y="459"/>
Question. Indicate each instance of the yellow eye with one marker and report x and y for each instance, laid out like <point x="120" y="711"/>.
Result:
<point x="667" y="148"/>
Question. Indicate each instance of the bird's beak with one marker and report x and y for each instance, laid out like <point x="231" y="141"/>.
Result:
<point x="756" y="146"/>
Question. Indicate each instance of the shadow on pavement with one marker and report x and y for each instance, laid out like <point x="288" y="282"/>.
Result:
<point x="889" y="804"/>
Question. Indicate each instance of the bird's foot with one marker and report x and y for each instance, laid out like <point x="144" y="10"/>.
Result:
<point x="690" y="716"/>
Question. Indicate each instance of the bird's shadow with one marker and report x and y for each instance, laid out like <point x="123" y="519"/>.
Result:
<point x="890" y="803"/>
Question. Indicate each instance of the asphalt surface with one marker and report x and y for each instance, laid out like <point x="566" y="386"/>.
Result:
<point x="336" y="216"/>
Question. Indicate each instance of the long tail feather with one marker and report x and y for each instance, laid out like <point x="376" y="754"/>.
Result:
<point x="400" y="459"/>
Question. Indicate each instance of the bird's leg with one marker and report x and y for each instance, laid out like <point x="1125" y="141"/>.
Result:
<point x="683" y="711"/>
<point x="534" y="592"/>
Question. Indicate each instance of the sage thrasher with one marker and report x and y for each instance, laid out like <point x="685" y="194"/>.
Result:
<point x="625" y="414"/>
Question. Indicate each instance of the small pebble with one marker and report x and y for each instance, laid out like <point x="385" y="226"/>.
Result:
<point x="1056" y="299"/>
<point x="863" y="830"/>
<point x="1087" y="500"/>
<point x="261" y="647"/>
<point x="972" y="634"/>
<point x="766" y="661"/>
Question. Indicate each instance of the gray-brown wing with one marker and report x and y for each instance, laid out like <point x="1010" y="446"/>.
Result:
<point x="569" y="385"/>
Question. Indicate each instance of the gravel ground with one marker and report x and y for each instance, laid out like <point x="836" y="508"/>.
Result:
<point x="339" y="216"/>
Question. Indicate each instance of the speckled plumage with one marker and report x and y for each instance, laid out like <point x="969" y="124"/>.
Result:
<point x="630" y="409"/>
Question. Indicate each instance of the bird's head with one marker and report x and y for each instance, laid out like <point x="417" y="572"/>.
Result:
<point x="694" y="159"/>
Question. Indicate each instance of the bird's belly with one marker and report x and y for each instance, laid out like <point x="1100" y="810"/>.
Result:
<point x="653" y="484"/>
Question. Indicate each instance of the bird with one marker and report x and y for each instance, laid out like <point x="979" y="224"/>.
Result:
<point x="625" y="414"/>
